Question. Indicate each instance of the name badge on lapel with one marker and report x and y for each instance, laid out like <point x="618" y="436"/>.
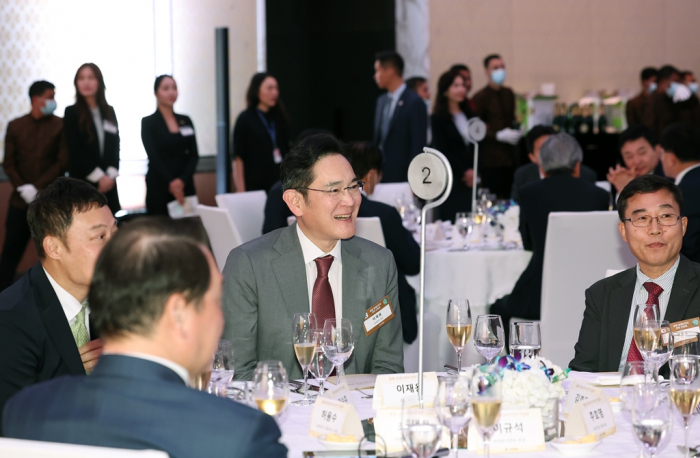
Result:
<point x="186" y="131"/>
<point x="108" y="126"/>
<point x="377" y="316"/>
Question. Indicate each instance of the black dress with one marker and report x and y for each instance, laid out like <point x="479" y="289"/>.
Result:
<point x="254" y="145"/>
<point x="170" y="156"/>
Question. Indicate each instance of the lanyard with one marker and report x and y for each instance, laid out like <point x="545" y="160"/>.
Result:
<point x="270" y="126"/>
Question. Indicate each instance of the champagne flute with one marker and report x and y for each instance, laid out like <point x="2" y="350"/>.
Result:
<point x="420" y="430"/>
<point x="651" y="424"/>
<point x="459" y="326"/>
<point x="644" y="313"/>
<point x="338" y="342"/>
<point x="685" y="388"/>
<point x="321" y="366"/>
<point x="222" y="368"/>
<point x="488" y="336"/>
<point x="486" y="404"/>
<point x="304" y="339"/>
<point x="270" y="387"/>
<point x="525" y="340"/>
<point x="452" y="405"/>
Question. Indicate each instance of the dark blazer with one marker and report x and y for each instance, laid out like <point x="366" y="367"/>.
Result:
<point x="35" y="338"/>
<point x="664" y="112"/>
<point x="529" y="173"/>
<point x="407" y="135"/>
<point x="690" y="188"/>
<point x="85" y="154"/>
<point x="448" y="140"/>
<point x="134" y="403"/>
<point x="170" y="156"/>
<point x="406" y="254"/>
<point x="276" y="210"/>
<point x="608" y="306"/>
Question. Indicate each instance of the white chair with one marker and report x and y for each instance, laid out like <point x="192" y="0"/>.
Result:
<point x="370" y="229"/>
<point x="580" y="248"/>
<point x="247" y="210"/>
<point x="16" y="448"/>
<point x="388" y="192"/>
<point x="604" y="185"/>
<point x="222" y="233"/>
<point x="432" y="332"/>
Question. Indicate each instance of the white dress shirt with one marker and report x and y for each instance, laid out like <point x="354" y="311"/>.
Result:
<point x="641" y="295"/>
<point x="395" y="96"/>
<point x="71" y="306"/>
<point x="335" y="274"/>
<point x="680" y="176"/>
<point x="462" y="124"/>
<point x="173" y="366"/>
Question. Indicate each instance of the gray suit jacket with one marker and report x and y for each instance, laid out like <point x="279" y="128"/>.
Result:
<point x="265" y="285"/>
<point x="530" y="172"/>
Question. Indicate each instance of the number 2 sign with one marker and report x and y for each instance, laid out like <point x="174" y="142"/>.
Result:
<point x="427" y="176"/>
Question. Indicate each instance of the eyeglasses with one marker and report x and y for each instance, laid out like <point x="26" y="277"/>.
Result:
<point x="339" y="193"/>
<point x="667" y="219"/>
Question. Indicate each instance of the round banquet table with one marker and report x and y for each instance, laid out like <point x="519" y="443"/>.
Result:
<point x="294" y="424"/>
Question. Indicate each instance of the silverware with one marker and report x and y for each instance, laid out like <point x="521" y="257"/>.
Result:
<point x="366" y="395"/>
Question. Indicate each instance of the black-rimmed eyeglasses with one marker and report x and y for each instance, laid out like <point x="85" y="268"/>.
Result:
<point x="667" y="219"/>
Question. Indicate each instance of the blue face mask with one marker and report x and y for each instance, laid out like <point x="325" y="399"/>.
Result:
<point x="49" y="107"/>
<point x="652" y="88"/>
<point x="693" y="87"/>
<point x="672" y="89"/>
<point x="498" y="76"/>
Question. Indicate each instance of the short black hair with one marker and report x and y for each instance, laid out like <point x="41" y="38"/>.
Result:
<point x="135" y="275"/>
<point x="636" y="132"/>
<point x="648" y="72"/>
<point x="413" y="82"/>
<point x="685" y="73"/>
<point x="159" y="80"/>
<point x="667" y="72"/>
<point x="489" y="58"/>
<point x="391" y="58"/>
<point x="38" y="88"/>
<point x="297" y="167"/>
<point x="460" y="68"/>
<point x="535" y="133"/>
<point x="647" y="184"/>
<point x="51" y="213"/>
<point x="683" y="140"/>
<point x="365" y="157"/>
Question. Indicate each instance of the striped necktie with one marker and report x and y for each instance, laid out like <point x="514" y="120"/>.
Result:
<point x="78" y="328"/>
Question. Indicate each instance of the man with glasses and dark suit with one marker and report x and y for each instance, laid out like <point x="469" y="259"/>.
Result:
<point x="315" y="265"/>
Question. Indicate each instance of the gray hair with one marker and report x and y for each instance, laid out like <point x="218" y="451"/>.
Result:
<point x="560" y="151"/>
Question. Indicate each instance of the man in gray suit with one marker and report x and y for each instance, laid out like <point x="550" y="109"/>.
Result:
<point x="315" y="265"/>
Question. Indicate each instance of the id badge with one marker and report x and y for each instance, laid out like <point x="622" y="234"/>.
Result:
<point x="377" y="316"/>
<point x="277" y="156"/>
<point x="107" y="126"/>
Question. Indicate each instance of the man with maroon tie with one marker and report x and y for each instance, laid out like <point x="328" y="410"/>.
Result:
<point x="652" y="223"/>
<point x="315" y="265"/>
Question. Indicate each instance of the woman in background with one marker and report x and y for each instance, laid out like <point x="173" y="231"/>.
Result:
<point x="171" y="145"/>
<point x="92" y="135"/>
<point x="260" y="137"/>
<point x="449" y="126"/>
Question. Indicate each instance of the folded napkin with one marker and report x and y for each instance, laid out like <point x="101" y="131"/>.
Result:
<point x="608" y="380"/>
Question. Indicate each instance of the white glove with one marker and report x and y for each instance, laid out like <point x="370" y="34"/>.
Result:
<point x="27" y="192"/>
<point x="682" y="93"/>
<point x="508" y="135"/>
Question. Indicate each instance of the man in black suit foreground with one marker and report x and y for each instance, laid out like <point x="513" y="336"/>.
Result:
<point x="650" y="209"/>
<point x="680" y="157"/>
<point x="156" y="299"/>
<point x="559" y="191"/>
<point x="45" y="323"/>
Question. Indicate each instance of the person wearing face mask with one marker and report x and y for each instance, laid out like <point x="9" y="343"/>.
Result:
<point x="637" y="108"/>
<point x="260" y="137"/>
<point x="495" y="105"/>
<point x="171" y="145"/>
<point x="92" y="135"/>
<point x="673" y="102"/>
<point x="35" y="155"/>
<point x="689" y="80"/>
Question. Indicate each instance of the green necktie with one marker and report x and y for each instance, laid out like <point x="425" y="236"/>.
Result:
<point x="78" y="328"/>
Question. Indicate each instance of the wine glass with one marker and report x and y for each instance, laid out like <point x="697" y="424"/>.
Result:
<point x="452" y="405"/>
<point x="633" y="382"/>
<point x="525" y="340"/>
<point x="420" y="430"/>
<point x="652" y="423"/>
<point x="486" y="404"/>
<point x="488" y="336"/>
<point x="270" y="387"/>
<point x="663" y="349"/>
<point x="686" y="343"/>
<point x="459" y="326"/>
<point x="222" y="368"/>
<point x="464" y="227"/>
<point x="321" y="366"/>
<point x="338" y="342"/>
<point x="685" y="388"/>
<point x="304" y="339"/>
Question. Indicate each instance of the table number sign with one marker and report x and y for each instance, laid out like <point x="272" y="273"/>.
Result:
<point x="516" y="431"/>
<point x="580" y="392"/>
<point x="340" y="393"/>
<point x="330" y="416"/>
<point x="594" y="416"/>
<point x="391" y="389"/>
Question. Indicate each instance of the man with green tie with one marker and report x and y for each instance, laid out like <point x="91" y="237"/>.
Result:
<point x="44" y="317"/>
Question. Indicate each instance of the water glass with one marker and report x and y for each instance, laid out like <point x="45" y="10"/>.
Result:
<point x="652" y="424"/>
<point x="452" y="405"/>
<point x="304" y="340"/>
<point x="489" y="339"/>
<point x="420" y="430"/>
<point x="222" y="368"/>
<point x="338" y="342"/>
<point x="459" y="326"/>
<point x="525" y="340"/>
<point x="270" y="392"/>
<point x="663" y="349"/>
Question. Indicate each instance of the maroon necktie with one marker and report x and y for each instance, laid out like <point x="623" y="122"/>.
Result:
<point x="322" y="304"/>
<point x="654" y="291"/>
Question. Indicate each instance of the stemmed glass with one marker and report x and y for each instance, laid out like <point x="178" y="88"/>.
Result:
<point x="459" y="326"/>
<point x="338" y="342"/>
<point x="464" y="227"/>
<point x="643" y="314"/>
<point x="270" y="387"/>
<point x="525" y="340"/>
<point x="304" y="339"/>
<point x="420" y="430"/>
<point x="685" y="388"/>
<point x="488" y="336"/>
<point x="652" y="422"/>
<point x="452" y="405"/>
<point x="633" y="386"/>
<point x="663" y="349"/>
<point x="321" y="366"/>
<point x="222" y="368"/>
<point x="486" y="404"/>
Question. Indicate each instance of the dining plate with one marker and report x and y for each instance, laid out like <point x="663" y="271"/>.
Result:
<point x="573" y="449"/>
<point x="331" y="445"/>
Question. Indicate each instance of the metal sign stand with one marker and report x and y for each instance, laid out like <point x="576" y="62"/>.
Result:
<point x="476" y="131"/>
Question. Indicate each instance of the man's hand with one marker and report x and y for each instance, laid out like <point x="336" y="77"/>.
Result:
<point x="105" y="184"/>
<point x="90" y="353"/>
<point x="468" y="178"/>
<point x="620" y="177"/>
<point x="177" y="189"/>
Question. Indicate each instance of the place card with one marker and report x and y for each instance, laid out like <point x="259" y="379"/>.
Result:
<point x="580" y="392"/>
<point x="516" y="431"/>
<point x="356" y="381"/>
<point x="340" y="393"/>
<point x="387" y="425"/>
<point x="330" y="416"/>
<point x="690" y="325"/>
<point x="391" y="389"/>
<point x="594" y="416"/>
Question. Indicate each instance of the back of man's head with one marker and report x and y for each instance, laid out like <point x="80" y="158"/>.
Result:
<point x="635" y="133"/>
<point x="648" y="72"/>
<point x="667" y="72"/>
<point x="414" y="82"/>
<point x="535" y="133"/>
<point x="365" y="157"/>
<point x="560" y="153"/>
<point x="297" y="167"/>
<point x="391" y="58"/>
<point x="51" y="213"/>
<point x="683" y="140"/>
